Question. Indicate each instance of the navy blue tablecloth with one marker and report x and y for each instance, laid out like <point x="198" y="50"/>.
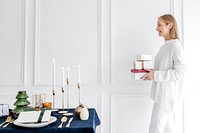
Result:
<point x="77" y="125"/>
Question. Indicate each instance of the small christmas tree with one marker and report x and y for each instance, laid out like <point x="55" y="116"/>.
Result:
<point x="21" y="103"/>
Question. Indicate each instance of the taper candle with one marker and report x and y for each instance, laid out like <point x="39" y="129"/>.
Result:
<point x="68" y="80"/>
<point x="79" y="74"/>
<point x="54" y="74"/>
<point x="68" y="73"/>
<point x="63" y="85"/>
<point x="54" y="82"/>
<point x="63" y="77"/>
<point x="79" y="84"/>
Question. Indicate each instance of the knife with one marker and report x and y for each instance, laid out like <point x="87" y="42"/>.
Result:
<point x="70" y="120"/>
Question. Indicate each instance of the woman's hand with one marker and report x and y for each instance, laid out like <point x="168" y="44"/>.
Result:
<point x="149" y="75"/>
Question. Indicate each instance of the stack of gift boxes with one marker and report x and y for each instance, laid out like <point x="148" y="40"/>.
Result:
<point x="142" y="62"/>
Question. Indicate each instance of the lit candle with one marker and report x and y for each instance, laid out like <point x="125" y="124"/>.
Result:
<point x="63" y="77"/>
<point x="79" y="82"/>
<point x="79" y="75"/>
<point x="68" y="80"/>
<point x="68" y="74"/>
<point x="54" y="74"/>
<point x="63" y="80"/>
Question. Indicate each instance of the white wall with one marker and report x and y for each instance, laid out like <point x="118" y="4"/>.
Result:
<point x="102" y="36"/>
<point x="192" y="48"/>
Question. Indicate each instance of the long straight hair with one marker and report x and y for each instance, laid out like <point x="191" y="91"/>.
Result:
<point x="168" y="18"/>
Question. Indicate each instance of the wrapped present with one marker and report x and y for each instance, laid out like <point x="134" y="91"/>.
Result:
<point x="4" y="109"/>
<point x="143" y="64"/>
<point x="138" y="64"/>
<point x="138" y="73"/>
<point x="144" y="57"/>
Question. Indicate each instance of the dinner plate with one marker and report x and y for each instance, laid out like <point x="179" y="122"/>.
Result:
<point x="62" y="112"/>
<point x="68" y="114"/>
<point x="35" y="125"/>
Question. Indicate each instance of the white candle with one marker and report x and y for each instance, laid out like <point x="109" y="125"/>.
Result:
<point x="79" y="75"/>
<point x="68" y="80"/>
<point x="63" y="77"/>
<point x="54" y="74"/>
<point x="68" y="74"/>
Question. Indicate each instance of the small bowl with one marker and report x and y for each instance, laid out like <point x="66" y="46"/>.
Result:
<point x="47" y="104"/>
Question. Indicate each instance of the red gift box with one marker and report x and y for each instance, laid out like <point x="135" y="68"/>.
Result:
<point x="138" y="73"/>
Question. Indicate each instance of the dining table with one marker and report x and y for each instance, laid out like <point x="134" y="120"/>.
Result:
<point x="76" y="126"/>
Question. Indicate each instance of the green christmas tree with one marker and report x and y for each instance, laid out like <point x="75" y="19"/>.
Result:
<point x="21" y="103"/>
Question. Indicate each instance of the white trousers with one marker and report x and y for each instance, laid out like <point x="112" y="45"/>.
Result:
<point x="162" y="121"/>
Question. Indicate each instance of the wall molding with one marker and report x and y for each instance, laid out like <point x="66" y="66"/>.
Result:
<point x="23" y="70"/>
<point x="113" y="42"/>
<point x="37" y="45"/>
<point x="37" y="38"/>
<point x="113" y="97"/>
<point x="8" y="99"/>
<point x="23" y="49"/>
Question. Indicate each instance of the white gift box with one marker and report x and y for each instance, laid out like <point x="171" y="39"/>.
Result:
<point x="32" y="116"/>
<point x="144" y="57"/>
<point x="137" y="74"/>
<point x="143" y="65"/>
<point x="138" y="64"/>
<point x="4" y="110"/>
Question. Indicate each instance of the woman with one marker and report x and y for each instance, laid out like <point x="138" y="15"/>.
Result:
<point x="167" y="77"/>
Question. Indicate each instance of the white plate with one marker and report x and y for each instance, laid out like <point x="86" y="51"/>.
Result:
<point x="62" y="112"/>
<point x="36" y="125"/>
<point x="68" y="114"/>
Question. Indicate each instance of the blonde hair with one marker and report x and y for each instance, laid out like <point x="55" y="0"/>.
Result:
<point x="168" y="18"/>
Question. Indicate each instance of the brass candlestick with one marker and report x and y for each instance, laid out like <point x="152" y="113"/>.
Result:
<point x="53" y="99"/>
<point x="62" y="111"/>
<point x="80" y="106"/>
<point x="79" y="95"/>
<point x="67" y="80"/>
<point x="62" y="97"/>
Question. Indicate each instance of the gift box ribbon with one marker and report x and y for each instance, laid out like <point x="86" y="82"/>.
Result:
<point x="41" y="116"/>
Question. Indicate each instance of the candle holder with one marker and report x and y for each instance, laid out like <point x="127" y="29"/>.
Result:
<point x="79" y="93"/>
<point x="80" y="106"/>
<point x="54" y="84"/>
<point x="53" y="92"/>
<point x="67" y="94"/>
<point x="62" y="111"/>
<point x="67" y="113"/>
<point x="62" y="97"/>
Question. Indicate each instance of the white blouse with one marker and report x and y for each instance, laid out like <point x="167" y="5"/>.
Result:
<point x="169" y="72"/>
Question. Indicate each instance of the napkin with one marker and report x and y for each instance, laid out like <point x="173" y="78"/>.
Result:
<point x="33" y="116"/>
<point x="4" y="109"/>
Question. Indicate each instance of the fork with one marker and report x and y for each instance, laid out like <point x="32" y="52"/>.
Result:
<point x="8" y="119"/>
<point x="11" y="121"/>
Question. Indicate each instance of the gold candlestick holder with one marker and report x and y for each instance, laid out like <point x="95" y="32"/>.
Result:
<point x="80" y="106"/>
<point x="62" y="111"/>
<point x="67" y="94"/>
<point x="79" y="93"/>
<point x="62" y="98"/>
<point x="67" y="112"/>
<point x="53" y="92"/>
